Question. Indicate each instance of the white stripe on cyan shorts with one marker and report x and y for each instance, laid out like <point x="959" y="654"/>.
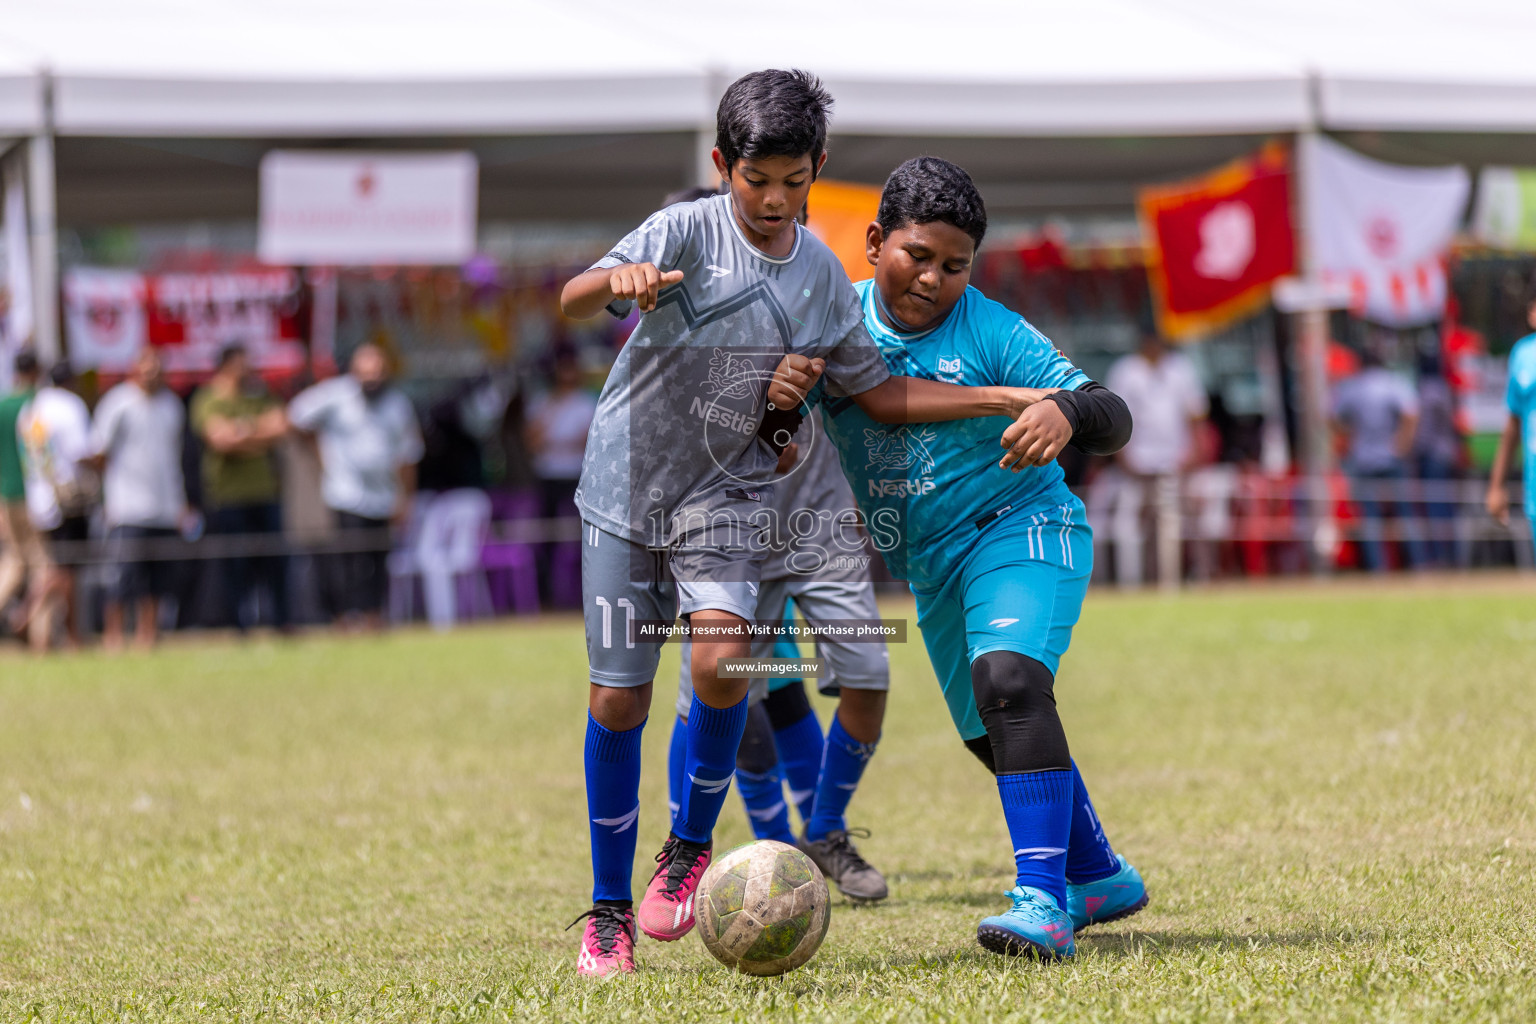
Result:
<point x="1066" y="531"/>
<point x="1029" y="535"/>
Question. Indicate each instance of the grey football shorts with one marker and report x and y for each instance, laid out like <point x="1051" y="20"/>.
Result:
<point x="622" y="582"/>
<point x="858" y="666"/>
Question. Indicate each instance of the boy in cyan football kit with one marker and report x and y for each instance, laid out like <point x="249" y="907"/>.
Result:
<point x="999" y="562"/>
<point x="817" y="559"/>
<point x="675" y="471"/>
<point x="1520" y="399"/>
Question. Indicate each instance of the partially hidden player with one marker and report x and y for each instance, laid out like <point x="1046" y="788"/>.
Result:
<point x="817" y="560"/>
<point x="999" y="561"/>
<point x="1520" y="398"/>
<point x="678" y="462"/>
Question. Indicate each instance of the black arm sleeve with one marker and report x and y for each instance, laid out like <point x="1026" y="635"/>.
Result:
<point x="778" y="428"/>
<point x="1100" y="420"/>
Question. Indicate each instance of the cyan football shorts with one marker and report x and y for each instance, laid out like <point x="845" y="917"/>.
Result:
<point x="1020" y="589"/>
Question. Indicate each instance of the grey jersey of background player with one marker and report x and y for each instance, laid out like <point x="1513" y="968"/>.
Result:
<point x="677" y="419"/>
<point x="818" y="534"/>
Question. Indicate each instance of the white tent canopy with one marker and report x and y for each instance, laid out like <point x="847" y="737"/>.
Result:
<point x="992" y="67"/>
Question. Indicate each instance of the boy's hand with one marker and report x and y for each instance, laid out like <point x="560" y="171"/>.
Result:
<point x="641" y="282"/>
<point x="1020" y="399"/>
<point x="793" y="380"/>
<point x="1036" y="437"/>
<point x="1497" y="501"/>
<point x="787" y="458"/>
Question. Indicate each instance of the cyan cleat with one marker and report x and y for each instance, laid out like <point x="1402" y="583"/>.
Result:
<point x="1035" y="926"/>
<point x="1108" y="899"/>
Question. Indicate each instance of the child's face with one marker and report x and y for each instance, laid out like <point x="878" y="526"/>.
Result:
<point x="921" y="270"/>
<point x="768" y="192"/>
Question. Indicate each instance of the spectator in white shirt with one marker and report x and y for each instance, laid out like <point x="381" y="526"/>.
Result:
<point x="369" y="444"/>
<point x="54" y="430"/>
<point x="1377" y="412"/>
<point x="137" y="435"/>
<point x="1168" y="403"/>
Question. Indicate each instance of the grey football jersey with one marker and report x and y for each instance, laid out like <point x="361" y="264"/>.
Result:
<point x="677" y="419"/>
<point x="817" y="531"/>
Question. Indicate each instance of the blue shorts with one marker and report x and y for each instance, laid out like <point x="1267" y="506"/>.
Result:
<point x="1020" y="589"/>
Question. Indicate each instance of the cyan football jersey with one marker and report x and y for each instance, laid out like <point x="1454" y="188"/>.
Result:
<point x="928" y="490"/>
<point x="1521" y="398"/>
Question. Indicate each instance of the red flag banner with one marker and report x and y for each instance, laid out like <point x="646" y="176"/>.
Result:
<point x="1215" y="244"/>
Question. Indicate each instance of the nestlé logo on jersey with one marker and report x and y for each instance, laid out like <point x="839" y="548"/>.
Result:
<point x="730" y="377"/>
<point x="904" y="448"/>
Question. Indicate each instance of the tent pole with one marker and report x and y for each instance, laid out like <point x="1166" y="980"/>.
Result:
<point x="704" y="174"/>
<point x="44" y="241"/>
<point x="1312" y="351"/>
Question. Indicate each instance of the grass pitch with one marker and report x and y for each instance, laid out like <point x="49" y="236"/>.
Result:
<point x="1329" y="792"/>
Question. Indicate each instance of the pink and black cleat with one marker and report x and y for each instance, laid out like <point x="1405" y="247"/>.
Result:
<point x="666" y="909"/>
<point x="608" y="943"/>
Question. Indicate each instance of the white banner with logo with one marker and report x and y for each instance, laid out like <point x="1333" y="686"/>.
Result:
<point x="367" y="209"/>
<point x="1381" y="230"/>
<point x="106" y="323"/>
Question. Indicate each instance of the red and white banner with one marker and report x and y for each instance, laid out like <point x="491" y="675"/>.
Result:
<point x="1216" y="243"/>
<point x="1382" y="230"/>
<point x="110" y="315"/>
<point x="367" y="209"/>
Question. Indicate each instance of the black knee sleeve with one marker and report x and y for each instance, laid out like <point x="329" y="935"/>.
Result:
<point x="981" y="746"/>
<point x="1015" y="696"/>
<point x="758" y="752"/>
<point x="787" y="705"/>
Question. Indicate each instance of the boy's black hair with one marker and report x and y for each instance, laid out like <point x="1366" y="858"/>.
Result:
<point x="773" y="113"/>
<point x="25" y="363"/>
<point x="926" y="189"/>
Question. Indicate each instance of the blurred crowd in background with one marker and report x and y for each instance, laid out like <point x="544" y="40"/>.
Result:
<point x="236" y="499"/>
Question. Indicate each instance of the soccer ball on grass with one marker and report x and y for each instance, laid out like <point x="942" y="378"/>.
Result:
<point x="763" y="908"/>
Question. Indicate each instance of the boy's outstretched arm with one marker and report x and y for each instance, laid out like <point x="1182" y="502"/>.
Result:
<point x="589" y="293"/>
<point x="1497" y="498"/>
<point x="905" y="399"/>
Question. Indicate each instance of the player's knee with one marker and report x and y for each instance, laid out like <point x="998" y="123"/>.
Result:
<point x="787" y="705"/>
<point x="1016" y="699"/>
<point x="758" y="753"/>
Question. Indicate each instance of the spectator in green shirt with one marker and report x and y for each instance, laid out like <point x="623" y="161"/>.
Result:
<point x="240" y="424"/>
<point x="21" y="549"/>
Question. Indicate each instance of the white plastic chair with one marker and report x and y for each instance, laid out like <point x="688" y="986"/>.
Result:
<point x="453" y="529"/>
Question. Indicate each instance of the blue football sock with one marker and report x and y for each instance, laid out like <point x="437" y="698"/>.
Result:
<point x="613" y="807"/>
<point x="714" y="734"/>
<point x="1089" y="855"/>
<point x="1038" y="806"/>
<point x="763" y="793"/>
<point x="800" y="749"/>
<point x="842" y="763"/>
<point x="677" y="755"/>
